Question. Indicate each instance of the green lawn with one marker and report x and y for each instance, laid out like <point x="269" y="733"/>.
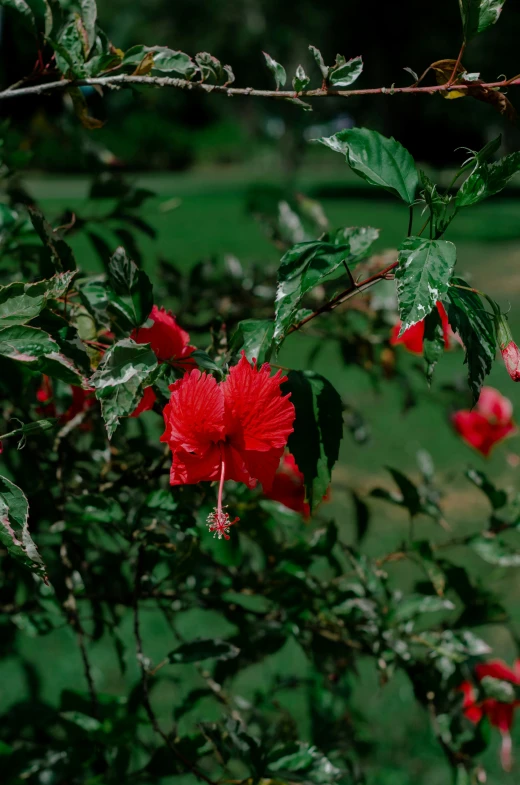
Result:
<point x="210" y="218"/>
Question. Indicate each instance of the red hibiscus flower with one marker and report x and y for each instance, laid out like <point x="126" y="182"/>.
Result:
<point x="233" y="430"/>
<point x="500" y="714"/>
<point x="488" y="423"/>
<point x="412" y="338"/>
<point x="169" y="342"/>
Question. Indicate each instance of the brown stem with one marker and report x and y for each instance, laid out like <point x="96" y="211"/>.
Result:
<point x="165" y="81"/>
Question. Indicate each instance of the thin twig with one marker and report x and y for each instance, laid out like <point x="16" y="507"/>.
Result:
<point x="71" y="609"/>
<point x="121" y="80"/>
<point x="342" y="297"/>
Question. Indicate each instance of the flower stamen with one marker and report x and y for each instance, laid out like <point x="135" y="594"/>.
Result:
<point x="218" y="520"/>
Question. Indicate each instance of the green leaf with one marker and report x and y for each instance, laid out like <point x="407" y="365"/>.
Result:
<point x="301" y="269"/>
<point x="430" y="565"/>
<point x="164" y="59"/>
<point x="495" y="551"/>
<point x="423" y="275"/>
<point x="433" y="342"/>
<point x="204" y="649"/>
<point x="487" y="180"/>
<point x="409" y="493"/>
<point x="416" y="604"/>
<point x="467" y="317"/>
<point x="359" y="239"/>
<point x="277" y="70"/>
<point x="210" y="66"/>
<point x="255" y="338"/>
<point x="25" y="344"/>
<point x="319" y="60"/>
<point x="497" y="497"/>
<point x="60" y="252"/>
<point x="95" y="296"/>
<point x="133" y="287"/>
<point x="120" y="380"/>
<point x="42" y="15"/>
<point x="14" y="527"/>
<point x="21" y="302"/>
<point x="71" y="48"/>
<point x="377" y="159"/>
<point x="304" y="760"/>
<point x="318" y="430"/>
<point x="344" y="73"/>
<point x="301" y="80"/>
<point x="34" y="346"/>
<point x="478" y="15"/>
<point x="204" y="361"/>
<point x="22" y="8"/>
<point x="89" y="16"/>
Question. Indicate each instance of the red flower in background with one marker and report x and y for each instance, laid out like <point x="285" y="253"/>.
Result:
<point x="488" y="423"/>
<point x="169" y="342"/>
<point x="412" y="338"/>
<point x="45" y="397"/>
<point x="500" y="714"/>
<point x="233" y="430"/>
<point x="288" y="486"/>
<point x="82" y="400"/>
<point x="146" y="403"/>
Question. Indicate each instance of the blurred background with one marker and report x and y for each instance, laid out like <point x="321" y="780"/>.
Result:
<point x="211" y="164"/>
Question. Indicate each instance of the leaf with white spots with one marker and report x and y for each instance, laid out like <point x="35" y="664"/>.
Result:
<point x="121" y="378"/>
<point x="423" y="276"/>
<point x="14" y="528"/>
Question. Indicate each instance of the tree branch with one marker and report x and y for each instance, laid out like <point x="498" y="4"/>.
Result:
<point x="123" y="80"/>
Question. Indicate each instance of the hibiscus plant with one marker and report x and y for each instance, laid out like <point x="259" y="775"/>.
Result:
<point x="167" y="475"/>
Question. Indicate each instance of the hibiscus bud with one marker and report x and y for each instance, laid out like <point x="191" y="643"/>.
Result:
<point x="508" y="348"/>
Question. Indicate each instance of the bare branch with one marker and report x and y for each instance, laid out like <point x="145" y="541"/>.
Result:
<point x="123" y="80"/>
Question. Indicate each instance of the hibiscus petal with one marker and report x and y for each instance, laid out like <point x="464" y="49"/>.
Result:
<point x="194" y="417"/>
<point x="188" y="468"/>
<point x="495" y="406"/>
<point x="263" y="465"/>
<point x="258" y="416"/>
<point x="167" y="339"/>
<point x="412" y="338"/>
